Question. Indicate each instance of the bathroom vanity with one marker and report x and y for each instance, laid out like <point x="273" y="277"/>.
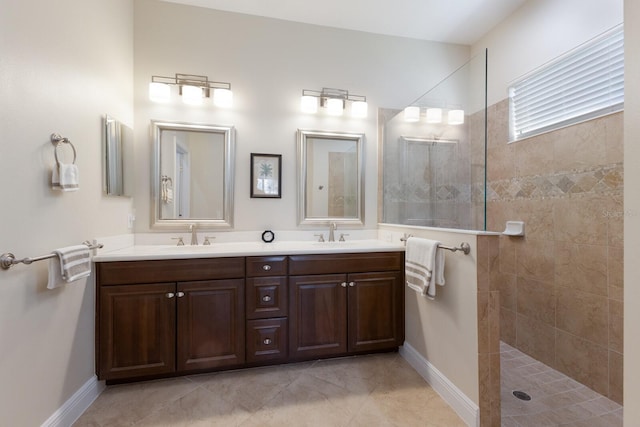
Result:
<point x="161" y="316"/>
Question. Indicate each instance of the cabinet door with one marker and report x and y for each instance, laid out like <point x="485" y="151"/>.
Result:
<point x="137" y="331"/>
<point x="376" y="311"/>
<point x="210" y="324"/>
<point x="317" y="315"/>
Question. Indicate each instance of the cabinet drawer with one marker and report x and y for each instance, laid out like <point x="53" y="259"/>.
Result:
<point x="174" y="270"/>
<point x="345" y="263"/>
<point x="266" y="340"/>
<point x="266" y="266"/>
<point x="266" y="297"/>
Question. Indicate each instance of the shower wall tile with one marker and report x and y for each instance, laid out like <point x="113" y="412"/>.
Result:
<point x="616" y="325"/>
<point x="581" y="267"/>
<point x="536" y="300"/>
<point x="534" y="156"/>
<point x="583" y="360"/>
<point x="580" y="146"/>
<point x="498" y="124"/>
<point x="582" y="314"/>
<point x="508" y="326"/>
<point x="501" y="162"/>
<point x="580" y="221"/>
<point x="535" y="260"/>
<point x="614" y="143"/>
<point x="536" y="339"/>
<point x="615" y="376"/>
<point x="615" y="268"/>
<point x="508" y="291"/>
<point x="561" y="286"/>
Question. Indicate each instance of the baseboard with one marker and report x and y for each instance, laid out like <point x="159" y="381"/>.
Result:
<point x="75" y="406"/>
<point x="464" y="407"/>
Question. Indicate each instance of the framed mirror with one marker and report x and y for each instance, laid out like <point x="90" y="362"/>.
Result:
<point x="117" y="158"/>
<point x="330" y="177"/>
<point x="192" y="175"/>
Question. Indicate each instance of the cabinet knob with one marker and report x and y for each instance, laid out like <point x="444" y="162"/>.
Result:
<point x="343" y="284"/>
<point x="180" y="294"/>
<point x="266" y="298"/>
<point x="266" y="267"/>
<point x="170" y="295"/>
<point x="267" y="341"/>
<point x="352" y="284"/>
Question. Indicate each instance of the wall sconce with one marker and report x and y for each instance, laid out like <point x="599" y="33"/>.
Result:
<point x="334" y="100"/>
<point x="434" y="115"/>
<point x="193" y="88"/>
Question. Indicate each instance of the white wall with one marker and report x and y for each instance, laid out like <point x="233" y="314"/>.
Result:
<point x="539" y="31"/>
<point x="632" y="215"/>
<point x="64" y="64"/>
<point x="268" y="62"/>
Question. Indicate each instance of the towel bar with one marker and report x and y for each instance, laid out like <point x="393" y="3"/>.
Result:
<point x="464" y="246"/>
<point x="8" y="259"/>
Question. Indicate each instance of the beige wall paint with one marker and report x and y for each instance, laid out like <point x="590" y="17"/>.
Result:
<point x="268" y="62"/>
<point x="539" y="31"/>
<point x="632" y="215"/>
<point x="64" y="64"/>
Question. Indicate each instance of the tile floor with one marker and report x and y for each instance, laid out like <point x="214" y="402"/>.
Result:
<point x="556" y="400"/>
<point x="376" y="390"/>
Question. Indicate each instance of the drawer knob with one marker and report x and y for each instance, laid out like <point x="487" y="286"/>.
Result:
<point x="170" y="295"/>
<point x="180" y="294"/>
<point x="352" y="284"/>
<point x="267" y="341"/>
<point x="266" y="298"/>
<point x="343" y="284"/>
<point x="266" y="267"/>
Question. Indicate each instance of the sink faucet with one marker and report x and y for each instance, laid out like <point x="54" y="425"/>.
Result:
<point x="332" y="227"/>
<point x="194" y="234"/>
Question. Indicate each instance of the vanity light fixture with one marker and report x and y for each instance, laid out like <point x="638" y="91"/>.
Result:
<point x="412" y="114"/>
<point x="334" y="101"/>
<point x="193" y="88"/>
<point x="455" y="117"/>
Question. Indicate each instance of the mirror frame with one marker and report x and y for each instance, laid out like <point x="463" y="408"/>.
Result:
<point x="117" y="158"/>
<point x="157" y="127"/>
<point x="359" y="139"/>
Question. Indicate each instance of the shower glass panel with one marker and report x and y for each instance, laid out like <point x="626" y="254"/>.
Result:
<point x="434" y="164"/>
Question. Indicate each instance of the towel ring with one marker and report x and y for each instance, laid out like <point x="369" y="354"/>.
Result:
<point x="56" y="140"/>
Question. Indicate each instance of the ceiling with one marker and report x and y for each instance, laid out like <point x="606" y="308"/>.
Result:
<point x="452" y="21"/>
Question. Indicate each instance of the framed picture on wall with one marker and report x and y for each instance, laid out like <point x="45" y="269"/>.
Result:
<point x="266" y="175"/>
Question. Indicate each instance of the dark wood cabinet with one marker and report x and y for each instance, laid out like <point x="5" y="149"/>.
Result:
<point x="153" y="329"/>
<point x="171" y="317"/>
<point x="136" y="330"/>
<point x="349" y="312"/>
<point x="210" y="324"/>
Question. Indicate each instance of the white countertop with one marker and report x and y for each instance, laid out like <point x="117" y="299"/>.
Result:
<point x="215" y="250"/>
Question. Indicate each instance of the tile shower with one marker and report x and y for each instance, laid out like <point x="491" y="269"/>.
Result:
<point x="561" y="287"/>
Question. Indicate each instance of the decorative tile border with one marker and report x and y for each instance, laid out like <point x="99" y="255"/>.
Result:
<point x="606" y="179"/>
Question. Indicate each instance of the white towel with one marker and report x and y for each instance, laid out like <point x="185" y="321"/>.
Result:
<point x="71" y="263"/>
<point x="424" y="266"/>
<point x="65" y="177"/>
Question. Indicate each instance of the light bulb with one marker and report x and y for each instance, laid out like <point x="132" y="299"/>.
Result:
<point x="335" y="106"/>
<point x="434" y="115"/>
<point x="159" y="92"/>
<point x="222" y="98"/>
<point x="192" y="95"/>
<point x="309" y="104"/>
<point x="411" y="114"/>
<point x="455" y="117"/>
<point x="359" y="109"/>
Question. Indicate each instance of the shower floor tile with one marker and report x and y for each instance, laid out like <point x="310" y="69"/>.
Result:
<point x="556" y="400"/>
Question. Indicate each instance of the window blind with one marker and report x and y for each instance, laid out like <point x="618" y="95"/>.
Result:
<point x="587" y="82"/>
